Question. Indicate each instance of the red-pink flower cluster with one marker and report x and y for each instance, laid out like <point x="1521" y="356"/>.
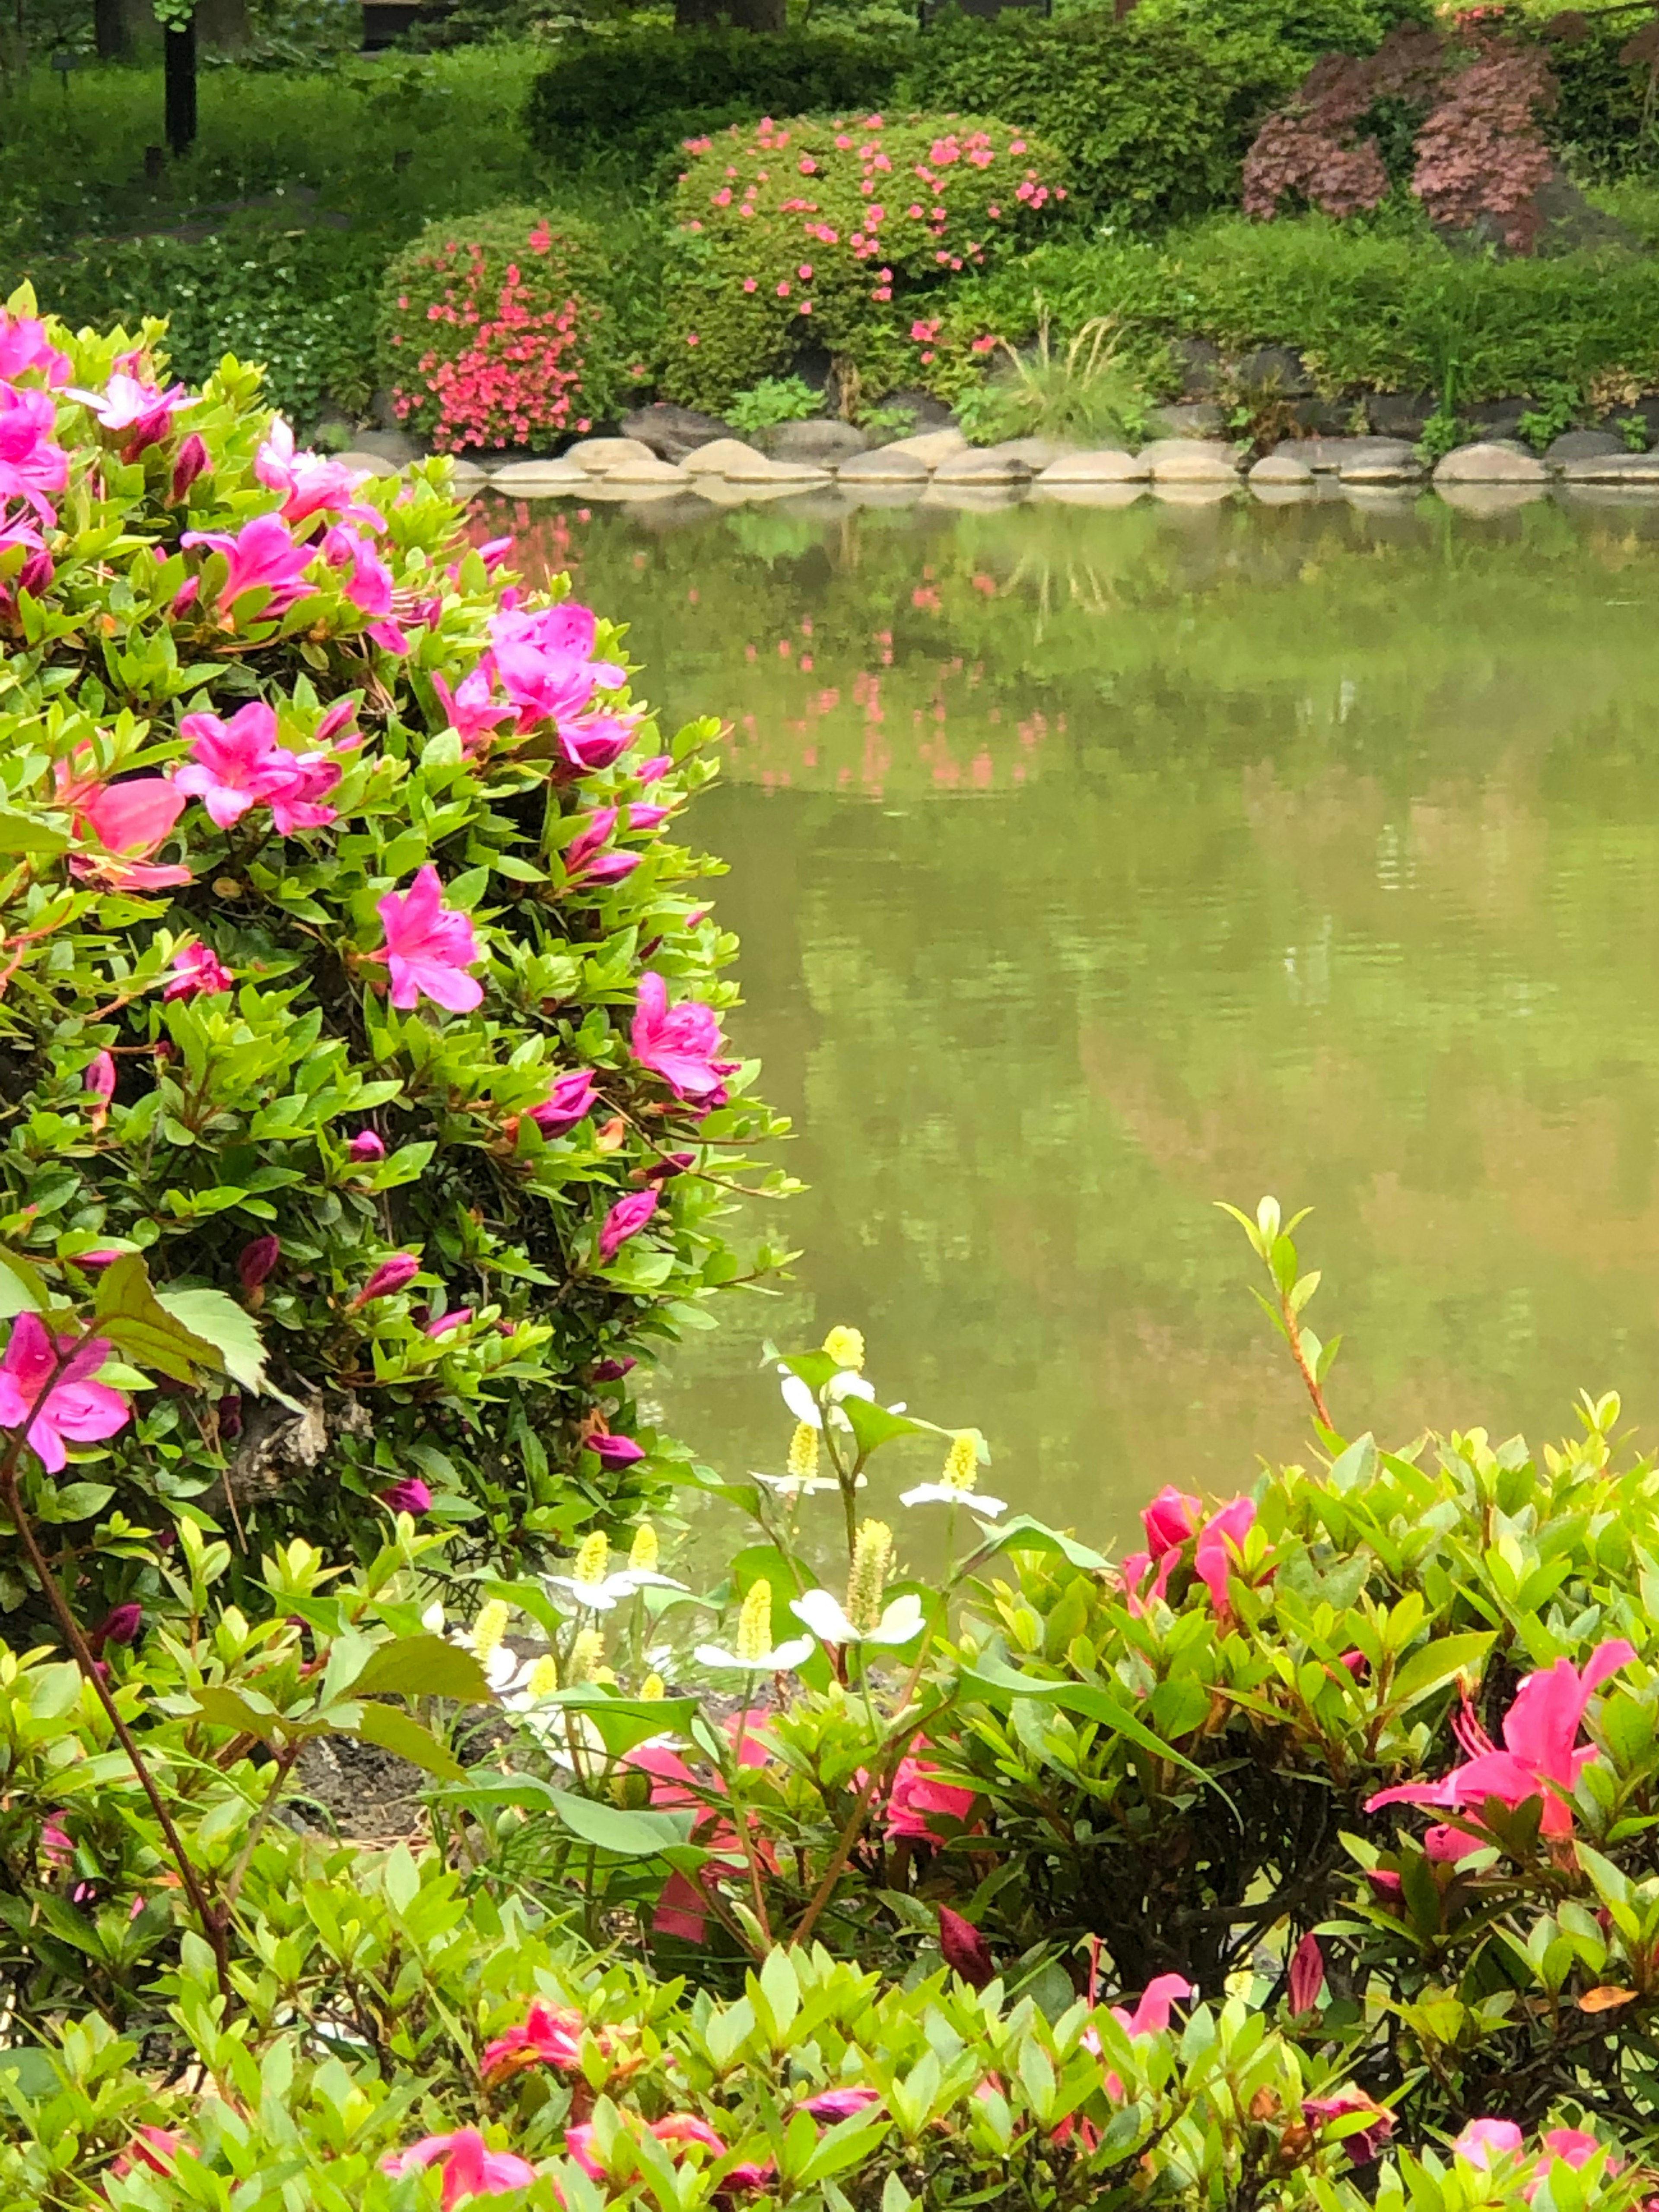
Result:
<point x="1171" y="1521"/>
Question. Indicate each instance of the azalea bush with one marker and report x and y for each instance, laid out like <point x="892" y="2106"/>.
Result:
<point x="351" y="972"/>
<point x="844" y="235"/>
<point x="496" y="332"/>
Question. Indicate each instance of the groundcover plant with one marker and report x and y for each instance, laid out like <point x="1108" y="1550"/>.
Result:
<point x="1303" y="1857"/>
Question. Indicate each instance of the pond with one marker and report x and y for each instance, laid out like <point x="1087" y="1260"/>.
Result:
<point x="1092" y="866"/>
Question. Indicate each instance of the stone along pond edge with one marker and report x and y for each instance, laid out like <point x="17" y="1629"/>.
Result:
<point x="940" y="468"/>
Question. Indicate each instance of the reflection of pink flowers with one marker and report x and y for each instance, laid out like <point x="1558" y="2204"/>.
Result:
<point x="468" y="2169"/>
<point x="1541" y="1757"/>
<point x="679" y="1043"/>
<point x="57" y="1401"/>
<point x="428" y="947"/>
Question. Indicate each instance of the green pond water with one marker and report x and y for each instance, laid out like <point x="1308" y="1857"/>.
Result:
<point x="1092" y="866"/>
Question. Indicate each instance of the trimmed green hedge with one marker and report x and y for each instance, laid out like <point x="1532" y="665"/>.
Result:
<point x="643" y="91"/>
<point x="1368" y="312"/>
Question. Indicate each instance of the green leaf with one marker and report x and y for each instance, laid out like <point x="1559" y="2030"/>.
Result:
<point x="629" y="1835"/>
<point x="23" y="833"/>
<point x="1023" y="1534"/>
<point x="133" y="1319"/>
<point x="1437" y="1663"/>
<point x="219" y="1320"/>
<point x="990" y="1672"/>
<point x="873" y="1425"/>
<point x="223" y="1708"/>
<point x="395" y="1730"/>
<point x="22" y="1290"/>
<point x="422" y="1667"/>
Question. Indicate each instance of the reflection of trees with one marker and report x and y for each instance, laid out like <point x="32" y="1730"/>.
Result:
<point x="1333" y="872"/>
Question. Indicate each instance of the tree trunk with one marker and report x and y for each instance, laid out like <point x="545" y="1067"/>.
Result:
<point x="109" y="30"/>
<point x="180" y="56"/>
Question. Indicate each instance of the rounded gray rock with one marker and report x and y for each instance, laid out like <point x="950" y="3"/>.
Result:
<point x="886" y="464"/>
<point x="821" y="442"/>
<point x="1489" y="463"/>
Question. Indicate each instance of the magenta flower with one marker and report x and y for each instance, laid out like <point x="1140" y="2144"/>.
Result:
<point x="262" y="556"/>
<point x="471" y="710"/>
<point x="129" y="821"/>
<point x="615" y="1451"/>
<point x="31" y="465"/>
<point x="1170" y="1520"/>
<point x="585" y="858"/>
<point x="370" y="583"/>
<point x="642" y="816"/>
<point x="1366" y="2143"/>
<point x="654" y="769"/>
<point x="410" y="1495"/>
<point x="196" y="968"/>
<point x="255" y="1261"/>
<point x="612" y="1370"/>
<point x="34" y="572"/>
<point x="143" y="410"/>
<point x="391" y="1275"/>
<point x="24" y="346"/>
<point x="964" y="1948"/>
<point x="120" y="1626"/>
<point x="596" y="742"/>
<point x="468" y="2169"/>
<point x="309" y="483"/>
<point x="1307" y="1974"/>
<point x="571" y="1101"/>
<point x="447" y="1323"/>
<point x="234" y="765"/>
<point x="98" y="1080"/>
<point x="307" y="780"/>
<point x="1212" y="1562"/>
<point x="192" y="461"/>
<point x="836" y="2105"/>
<point x="1541" y="1757"/>
<point x="366" y="1146"/>
<point x="66" y="1403"/>
<point x="679" y="1043"/>
<point x="1482" y="2141"/>
<point x="428" y="947"/>
<point x="918" y="1797"/>
<point x="626" y="1218"/>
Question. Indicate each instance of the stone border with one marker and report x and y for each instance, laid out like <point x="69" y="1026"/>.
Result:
<point x="941" y="469"/>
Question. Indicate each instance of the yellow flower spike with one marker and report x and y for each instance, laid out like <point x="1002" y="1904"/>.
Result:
<point x="803" y="1452"/>
<point x="490" y="1627"/>
<point x="872" y="1562"/>
<point x="961" y="1464"/>
<point x="646" y="1551"/>
<point x="544" y="1676"/>
<point x="755" y="1623"/>
<point x="845" y="1347"/>
<point x="653" y="1687"/>
<point x="586" y="1655"/>
<point x="592" y="1560"/>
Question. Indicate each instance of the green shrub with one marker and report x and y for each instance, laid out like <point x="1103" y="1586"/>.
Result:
<point x="1370" y="311"/>
<point x="208" y="1066"/>
<point x="292" y="302"/>
<point x="843" y="235"/>
<point x="775" y="399"/>
<point x="1149" y="124"/>
<point x="1601" y="123"/>
<point x="1303" y="29"/>
<point x="495" y="330"/>
<point x="641" y="91"/>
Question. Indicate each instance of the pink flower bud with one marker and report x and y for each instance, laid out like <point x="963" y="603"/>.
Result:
<point x="457" y="1317"/>
<point x="654" y="769"/>
<point x="119" y="1626"/>
<point x="964" y="1948"/>
<point x="1307" y="1974"/>
<point x="411" y="1495"/>
<point x="99" y="1078"/>
<point x="342" y="712"/>
<point x="625" y="1219"/>
<point x="255" y="1261"/>
<point x="185" y="594"/>
<point x="366" y="1146"/>
<point x="391" y="1275"/>
<point x="615" y="1451"/>
<point x="192" y="461"/>
<point x="612" y="1370"/>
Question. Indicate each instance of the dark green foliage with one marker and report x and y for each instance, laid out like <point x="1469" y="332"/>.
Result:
<point x="299" y="303"/>
<point x="642" y="92"/>
<point x="1151" y="125"/>
<point x="1368" y="311"/>
<point x="1303" y="29"/>
<point x="1599" y="123"/>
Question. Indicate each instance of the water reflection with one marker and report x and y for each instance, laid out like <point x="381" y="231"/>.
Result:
<point x="1091" y="866"/>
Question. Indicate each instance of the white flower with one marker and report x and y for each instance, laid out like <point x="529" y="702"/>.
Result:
<point x="803" y="1403"/>
<point x="823" y="1615"/>
<point x="796" y="1485"/>
<point x="782" y="1659"/>
<point x="601" y="1597"/>
<point x="947" y="1493"/>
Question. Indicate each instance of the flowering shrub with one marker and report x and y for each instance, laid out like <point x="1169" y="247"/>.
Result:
<point x="839" y="234"/>
<point x="1480" y="145"/>
<point x="349" y="971"/>
<point x="495" y="331"/>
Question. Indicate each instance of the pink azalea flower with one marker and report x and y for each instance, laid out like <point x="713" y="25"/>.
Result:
<point x="471" y="711"/>
<point x="155" y="2147"/>
<point x="119" y="1626"/>
<point x="309" y="483"/>
<point x="679" y="1043"/>
<point x="306" y="778"/>
<point x="1307" y="1976"/>
<point x="411" y="1495"/>
<point x="392" y="1275"/>
<point x="1222" y="1532"/>
<point x="69" y="1404"/>
<point x="626" y="1218"/>
<point x="1574" y="2146"/>
<point x="428" y="947"/>
<point x="234" y="765"/>
<point x="261" y="555"/>
<point x="836" y="2105"/>
<point x="367" y="1146"/>
<point x="964" y="1948"/>
<point x="34" y="572"/>
<point x="255" y="1261"/>
<point x="31" y="465"/>
<point x="24" y="346"/>
<point x="370" y="585"/>
<point x="192" y="461"/>
<point x="571" y="1101"/>
<point x="1482" y="2141"/>
<point x="596" y="742"/>
<point x="99" y="1080"/>
<point x="130" y="820"/>
<point x="682" y="1909"/>
<point x="1150" y="2017"/>
<point x="129" y="404"/>
<point x="447" y="1323"/>
<point x="541" y="2038"/>
<point x="614" y="1451"/>
<point x="918" y="1798"/>
<point x="1366" y="2143"/>
<point x="583" y="856"/>
<point x="196" y="968"/>
<point x="1541" y="1757"/>
<point x="468" y="2169"/>
<point x="1170" y="1520"/>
